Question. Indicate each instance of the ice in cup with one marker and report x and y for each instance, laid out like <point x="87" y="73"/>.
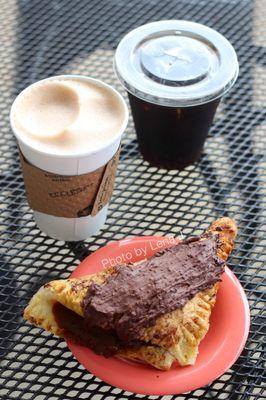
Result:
<point x="175" y="73"/>
<point x="69" y="130"/>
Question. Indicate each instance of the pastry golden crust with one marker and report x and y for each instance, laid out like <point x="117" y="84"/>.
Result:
<point x="174" y="337"/>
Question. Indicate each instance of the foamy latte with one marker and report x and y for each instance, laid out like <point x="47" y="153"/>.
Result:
<point x="67" y="116"/>
<point x="69" y="130"/>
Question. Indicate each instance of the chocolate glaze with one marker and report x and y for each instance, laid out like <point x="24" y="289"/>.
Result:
<point x="75" y="328"/>
<point x="136" y="295"/>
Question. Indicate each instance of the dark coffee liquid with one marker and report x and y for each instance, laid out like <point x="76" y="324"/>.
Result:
<point x="170" y="137"/>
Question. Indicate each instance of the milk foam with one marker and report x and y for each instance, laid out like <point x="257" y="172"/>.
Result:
<point x="67" y="116"/>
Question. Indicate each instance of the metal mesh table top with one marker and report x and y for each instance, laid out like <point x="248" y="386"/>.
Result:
<point x="50" y="37"/>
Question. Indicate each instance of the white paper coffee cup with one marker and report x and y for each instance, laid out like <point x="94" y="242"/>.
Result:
<point x="72" y="229"/>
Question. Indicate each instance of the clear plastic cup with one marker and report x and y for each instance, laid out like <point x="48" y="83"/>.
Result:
<point x="72" y="229"/>
<point x="175" y="73"/>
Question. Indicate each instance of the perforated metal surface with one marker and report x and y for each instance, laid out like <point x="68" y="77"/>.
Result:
<point x="48" y="37"/>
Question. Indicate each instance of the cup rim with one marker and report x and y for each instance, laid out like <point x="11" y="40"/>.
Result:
<point x="100" y="148"/>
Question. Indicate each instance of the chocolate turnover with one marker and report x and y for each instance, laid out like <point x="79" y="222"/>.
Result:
<point x="134" y="296"/>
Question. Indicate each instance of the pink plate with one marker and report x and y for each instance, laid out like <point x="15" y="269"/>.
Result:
<point x="218" y="351"/>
